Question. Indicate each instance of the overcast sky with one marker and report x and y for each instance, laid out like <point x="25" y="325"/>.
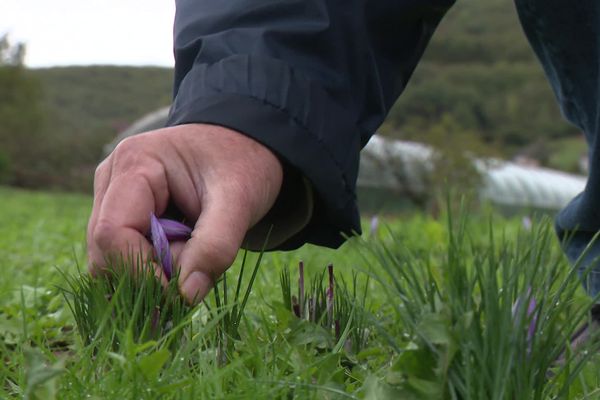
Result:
<point x="82" y="32"/>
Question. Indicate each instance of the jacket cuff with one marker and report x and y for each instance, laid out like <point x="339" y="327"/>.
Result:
<point x="306" y="130"/>
<point x="291" y="213"/>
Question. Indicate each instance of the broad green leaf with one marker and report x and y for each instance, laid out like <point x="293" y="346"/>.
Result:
<point x="420" y="363"/>
<point x="305" y="332"/>
<point x="40" y="377"/>
<point x="151" y="364"/>
<point x="434" y="328"/>
<point x="375" y="389"/>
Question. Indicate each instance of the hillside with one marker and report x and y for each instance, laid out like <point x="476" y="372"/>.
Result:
<point x="479" y="81"/>
<point x="480" y="73"/>
<point x="85" y="107"/>
<point x="93" y="103"/>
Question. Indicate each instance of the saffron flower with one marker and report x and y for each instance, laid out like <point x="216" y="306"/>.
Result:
<point x="161" y="232"/>
<point x="175" y="230"/>
<point x="530" y="312"/>
<point x="374" y="225"/>
<point x="527" y="223"/>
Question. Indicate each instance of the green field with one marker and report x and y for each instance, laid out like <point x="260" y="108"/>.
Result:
<point x="484" y="310"/>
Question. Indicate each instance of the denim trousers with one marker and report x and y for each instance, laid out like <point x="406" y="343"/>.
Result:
<point x="565" y="35"/>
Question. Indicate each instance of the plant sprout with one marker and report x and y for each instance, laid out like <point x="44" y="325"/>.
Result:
<point x="340" y="311"/>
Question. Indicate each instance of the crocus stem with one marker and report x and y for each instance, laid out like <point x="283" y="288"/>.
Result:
<point x="330" y="296"/>
<point x="301" y="289"/>
<point x="296" y="307"/>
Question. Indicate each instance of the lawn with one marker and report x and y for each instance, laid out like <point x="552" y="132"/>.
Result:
<point x="468" y="307"/>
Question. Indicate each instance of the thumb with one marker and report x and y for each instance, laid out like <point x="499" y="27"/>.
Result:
<point x="211" y="250"/>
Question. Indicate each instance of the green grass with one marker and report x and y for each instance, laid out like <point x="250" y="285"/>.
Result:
<point x="437" y="320"/>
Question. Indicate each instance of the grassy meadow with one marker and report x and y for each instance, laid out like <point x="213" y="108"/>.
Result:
<point x="468" y="307"/>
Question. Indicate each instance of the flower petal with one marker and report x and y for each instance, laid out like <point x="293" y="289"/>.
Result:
<point x="531" y="315"/>
<point x="301" y="299"/>
<point x="175" y="230"/>
<point x="167" y="263"/>
<point x="374" y="225"/>
<point x="161" y="245"/>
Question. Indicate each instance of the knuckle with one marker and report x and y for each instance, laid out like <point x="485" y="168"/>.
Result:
<point x="135" y="156"/>
<point x="127" y="145"/>
<point x="152" y="172"/>
<point x="128" y="152"/>
<point x="103" y="234"/>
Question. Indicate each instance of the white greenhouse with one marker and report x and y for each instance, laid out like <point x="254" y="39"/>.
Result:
<point x="389" y="164"/>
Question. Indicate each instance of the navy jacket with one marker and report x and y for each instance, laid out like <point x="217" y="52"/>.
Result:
<point x="310" y="79"/>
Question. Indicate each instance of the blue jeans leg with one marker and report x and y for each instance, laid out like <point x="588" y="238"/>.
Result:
<point x="565" y="35"/>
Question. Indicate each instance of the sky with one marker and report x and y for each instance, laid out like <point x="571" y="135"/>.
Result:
<point x="84" y="32"/>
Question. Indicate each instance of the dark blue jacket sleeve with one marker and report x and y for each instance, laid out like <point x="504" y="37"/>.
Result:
<point x="310" y="79"/>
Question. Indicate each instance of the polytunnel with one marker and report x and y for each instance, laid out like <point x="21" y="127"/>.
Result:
<point x="404" y="166"/>
<point x="388" y="163"/>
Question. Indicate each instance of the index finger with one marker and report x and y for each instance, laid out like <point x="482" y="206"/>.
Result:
<point x="124" y="218"/>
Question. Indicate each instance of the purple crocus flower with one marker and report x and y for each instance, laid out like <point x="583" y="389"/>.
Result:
<point x="530" y="312"/>
<point x="161" y="246"/>
<point x="526" y="222"/>
<point x="374" y="225"/>
<point x="175" y="230"/>
<point x="162" y="231"/>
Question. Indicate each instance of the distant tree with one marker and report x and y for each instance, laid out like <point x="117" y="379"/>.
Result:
<point x="453" y="162"/>
<point x="21" y="118"/>
<point x="11" y="54"/>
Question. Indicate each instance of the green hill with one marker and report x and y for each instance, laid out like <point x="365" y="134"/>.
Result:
<point x="480" y="71"/>
<point x="93" y="103"/>
<point x="85" y="107"/>
<point x="478" y="77"/>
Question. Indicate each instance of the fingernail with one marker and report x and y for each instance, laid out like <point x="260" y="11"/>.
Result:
<point x="195" y="287"/>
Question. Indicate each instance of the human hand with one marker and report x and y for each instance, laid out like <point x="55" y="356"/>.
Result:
<point x="219" y="178"/>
